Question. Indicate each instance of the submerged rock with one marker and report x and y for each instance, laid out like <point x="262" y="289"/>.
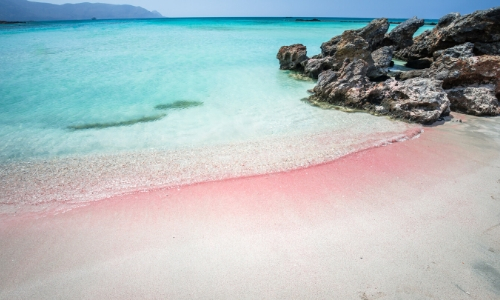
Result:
<point x="117" y="124"/>
<point x="292" y="57"/>
<point x="179" y="105"/>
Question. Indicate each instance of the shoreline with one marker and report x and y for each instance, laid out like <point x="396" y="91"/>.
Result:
<point x="411" y="220"/>
<point x="45" y="185"/>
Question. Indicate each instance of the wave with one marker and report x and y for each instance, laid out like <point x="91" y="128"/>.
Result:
<point x="41" y="185"/>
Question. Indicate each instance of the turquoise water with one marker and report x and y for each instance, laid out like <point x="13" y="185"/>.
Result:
<point x="74" y="89"/>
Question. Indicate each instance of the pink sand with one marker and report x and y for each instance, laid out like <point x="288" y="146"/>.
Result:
<point x="412" y="220"/>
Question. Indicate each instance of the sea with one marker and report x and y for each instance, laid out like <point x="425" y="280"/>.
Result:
<point x="95" y="109"/>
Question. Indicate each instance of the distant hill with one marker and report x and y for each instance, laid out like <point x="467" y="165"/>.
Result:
<point x="23" y="10"/>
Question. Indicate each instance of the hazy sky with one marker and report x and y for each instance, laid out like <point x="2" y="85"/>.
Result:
<point x="294" y="8"/>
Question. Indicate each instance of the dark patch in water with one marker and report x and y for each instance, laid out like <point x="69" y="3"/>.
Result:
<point x="179" y="105"/>
<point x="117" y="124"/>
<point x="491" y="275"/>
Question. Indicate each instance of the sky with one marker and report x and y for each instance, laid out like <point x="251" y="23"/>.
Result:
<point x="428" y="9"/>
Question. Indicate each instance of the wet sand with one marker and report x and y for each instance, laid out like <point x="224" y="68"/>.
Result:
<point x="413" y="220"/>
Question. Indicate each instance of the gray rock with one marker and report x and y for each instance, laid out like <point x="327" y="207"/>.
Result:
<point x="383" y="57"/>
<point x="314" y="66"/>
<point x="466" y="71"/>
<point x="447" y="19"/>
<point x="463" y="50"/>
<point x="373" y="34"/>
<point x="482" y="26"/>
<point x="419" y="100"/>
<point x="402" y="35"/>
<point x="487" y="48"/>
<point x="475" y="100"/>
<point x="292" y="57"/>
<point x="409" y="74"/>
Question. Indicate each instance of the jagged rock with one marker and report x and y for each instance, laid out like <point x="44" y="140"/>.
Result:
<point x="482" y="26"/>
<point x="382" y="57"/>
<point x="422" y="63"/>
<point x="402" y="35"/>
<point x="314" y="66"/>
<point x="351" y="46"/>
<point x="487" y="48"/>
<point x="292" y="57"/>
<point x="474" y="100"/>
<point x="373" y="34"/>
<point x="447" y="19"/>
<point x="464" y="50"/>
<point x="466" y="71"/>
<point x="329" y="48"/>
<point x="409" y="74"/>
<point x="419" y="100"/>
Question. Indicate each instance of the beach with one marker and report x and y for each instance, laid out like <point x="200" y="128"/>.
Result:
<point x="417" y="219"/>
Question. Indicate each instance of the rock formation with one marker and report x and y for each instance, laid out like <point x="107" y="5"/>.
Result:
<point x="452" y="29"/>
<point x="421" y="100"/>
<point x="353" y="68"/>
<point x="291" y="57"/>
<point x="402" y="36"/>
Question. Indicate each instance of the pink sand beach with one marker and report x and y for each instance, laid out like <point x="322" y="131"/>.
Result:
<point x="418" y="219"/>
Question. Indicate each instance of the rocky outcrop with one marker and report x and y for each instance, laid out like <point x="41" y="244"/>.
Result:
<point x="476" y="70"/>
<point x="314" y="66"/>
<point x="353" y="68"/>
<point x="402" y="36"/>
<point x="383" y="57"/>
<point x="373" y="34"/>
<point x="475" y="100"/>
<point x="472" y="82"/>
<point x="479" y="27"/>
<point x="419" y="100"/>
<point x="409" y="74"/>
<point x="487" y="48"/>
<point x="292" y="57"/>
<point x="464" y="50"/>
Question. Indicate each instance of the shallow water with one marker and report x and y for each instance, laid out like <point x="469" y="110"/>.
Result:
<point x="92" y="90"/>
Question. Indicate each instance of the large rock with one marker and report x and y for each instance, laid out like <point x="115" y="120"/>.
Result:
<point x="402" y="35"/>
<point x="487" y="48"/>
<point x="383" y="57"/>
<point x="373" y="34"/>
<point x="466" y="71"/>
<point x="463" y="50"/>
<point x="475" y="100"/>
<point x="479" y="27"/>
<point x="292" y="57"/>
<point x="314" y="66"/>
<point x="419" y="100"/>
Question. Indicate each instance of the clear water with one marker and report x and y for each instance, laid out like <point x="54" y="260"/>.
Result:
<point x="93" y="88"/>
